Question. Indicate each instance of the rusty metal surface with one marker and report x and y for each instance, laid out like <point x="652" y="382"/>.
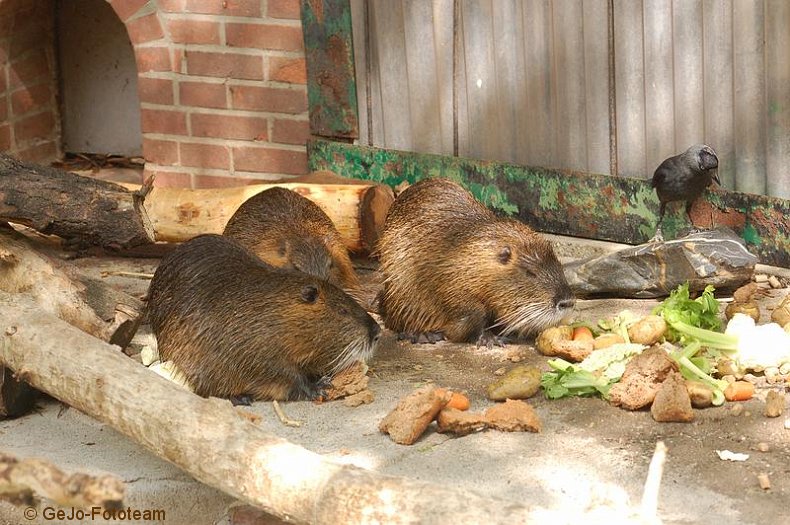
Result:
<point x="571" y="203"/>
<point x="331" y="85"/>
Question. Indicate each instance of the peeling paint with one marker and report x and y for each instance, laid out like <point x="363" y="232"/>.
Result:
<point x="571" y="203"/>
<point x="329" y="53"/>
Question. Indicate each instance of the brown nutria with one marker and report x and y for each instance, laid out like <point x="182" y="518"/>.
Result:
<point x="290" y="231"/>
<point x="238" y="327"/>
<point x="453" y="269"/>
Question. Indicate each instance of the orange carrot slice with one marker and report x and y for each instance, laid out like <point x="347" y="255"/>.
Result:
<point x="582" y="333"/>
<point x="739" y="391"/>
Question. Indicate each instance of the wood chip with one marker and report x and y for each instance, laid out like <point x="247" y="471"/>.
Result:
<point x="774" y="282"/>
<point x="283" y="418"/>
<point x="765" y="483"/>
<point x="774" y="404"/>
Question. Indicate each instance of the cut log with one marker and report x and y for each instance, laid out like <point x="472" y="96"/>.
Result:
<point x="358" y="210"/>
<point x="100" y="310"/>
<point x="28" y="480"/>
<point x="81" y="210"/>
<point x="211" y="441"/>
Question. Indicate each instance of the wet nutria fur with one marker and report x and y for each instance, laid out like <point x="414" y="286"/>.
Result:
<point x="289" y="231"/>
<point x="237" y="327"/>
<point x="452" y="268"/>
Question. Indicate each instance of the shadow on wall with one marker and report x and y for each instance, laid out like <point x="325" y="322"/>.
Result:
<point x="68" y="80"/>
<point x="29" y="124"/>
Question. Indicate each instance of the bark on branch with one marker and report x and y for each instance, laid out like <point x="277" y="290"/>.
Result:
<point x="90" y="305"/>
<point x="79" y="209"/>
<point x="28" y="480"/>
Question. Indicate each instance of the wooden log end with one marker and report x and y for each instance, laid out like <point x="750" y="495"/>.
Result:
<point x="373" y="209"/>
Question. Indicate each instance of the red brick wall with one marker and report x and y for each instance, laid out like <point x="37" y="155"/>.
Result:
<point x="29" y="121"/>
<point x="221" y="86"/>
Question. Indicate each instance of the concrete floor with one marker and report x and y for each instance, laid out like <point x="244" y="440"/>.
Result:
<point x="588" y="452"/>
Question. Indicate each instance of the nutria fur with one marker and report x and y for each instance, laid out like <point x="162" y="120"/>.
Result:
<point x="453" y="268"/>
<point x="289" y="231"/>
<point x="237" y="327"/>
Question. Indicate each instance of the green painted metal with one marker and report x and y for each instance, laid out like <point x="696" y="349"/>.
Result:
<point x="570" y="203"/>
<point x="329" y="52"/>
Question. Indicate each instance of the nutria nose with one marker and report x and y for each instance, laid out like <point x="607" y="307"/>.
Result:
<point x="566" y="303"/>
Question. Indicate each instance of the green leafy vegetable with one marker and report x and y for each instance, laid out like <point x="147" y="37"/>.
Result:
<point x="680" y="310"/>
<point x="693" y="366"/>
<point x="610" y="362"/>
<point x="619" y="324"/>
<point x="569" y="380"/>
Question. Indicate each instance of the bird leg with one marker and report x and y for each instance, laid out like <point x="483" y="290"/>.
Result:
<point x="659" y="235"/>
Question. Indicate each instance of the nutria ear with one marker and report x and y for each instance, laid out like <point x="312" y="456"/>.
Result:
<point x="504" y="255"/>
<point x="309" y="293"/>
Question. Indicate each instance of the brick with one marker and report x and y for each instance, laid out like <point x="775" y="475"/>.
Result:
<point x="193" y="31"/>
<point x="250" y="8"/>
<point x="3" y="71"/>
<point x="31" y="33"/>
<point x="40" y="126"/>
<point x="204" y="156"/>
<point x="264" y="36"/>
<point x="179" y="60"/>
<point x="43" y="153"/>
<point x="290" y="131"/>
<point x="211" y="181"/>
<point x="155" y="90"/>
<point x="125" y="9"/>
<point x="167" y="179"/>
<point x="162" y="152"/>
<point x="284" y="9"/>
<point x="202" y="95"/>
<point x="226" y="65"/>
<point x="280" y="100"/>
<point x="269" y="160"/>
<point x="291" y="70"/>
<point x="29" y="69"/>
<point x="152" y="59"/>
<point x="28" y="99"/>
<point x="145" y="29"/>
<point x="163" y="121"/>
<point x="229" y="127"/>
<point x="3" y="108"/>
<point x="5" y="137"/>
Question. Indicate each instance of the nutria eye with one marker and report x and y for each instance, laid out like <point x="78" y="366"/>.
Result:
<point x="309" y="294"/>
<point x="504" y="255"/>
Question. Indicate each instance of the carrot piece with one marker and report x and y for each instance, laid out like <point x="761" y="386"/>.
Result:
<point x="739" y="391"/>
<point x="457" y="400"/>
<point x="582" y="333"/>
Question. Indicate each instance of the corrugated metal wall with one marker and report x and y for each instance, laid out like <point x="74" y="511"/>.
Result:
<point x="605" y="86"/>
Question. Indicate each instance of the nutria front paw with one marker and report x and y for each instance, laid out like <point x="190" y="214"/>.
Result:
<point x="243" y="400"/>
<point x="314" y="390"/>
<point x="421" y="337"/>
<point x="489" y="340"/>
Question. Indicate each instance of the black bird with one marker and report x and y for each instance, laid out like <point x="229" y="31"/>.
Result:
<point x="683" y="178"/>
